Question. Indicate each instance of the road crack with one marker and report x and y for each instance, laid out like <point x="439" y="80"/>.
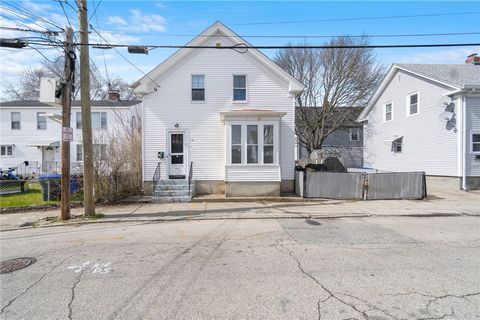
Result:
<point x="70" y="304"/>
<point x="32" y="285"/>
<point x="331" y="294"/>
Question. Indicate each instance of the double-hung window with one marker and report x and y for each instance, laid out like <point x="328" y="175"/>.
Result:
<point x="41" y="121"/>
<point x="6" y="150"/>
<point x="99" y="120"/>
<point x="268" y="143"/>
<point x="79" y="152"/>
<point x="412" y="104"/>
<point x="476" y="142"/>
<point x="16" y="119"/>
<point x="240" y="88"/>
<point x="198" y="87"/>
<point x="236" y="152"/>
<point x="253" y="143"/>
<point x="388" y="112"/>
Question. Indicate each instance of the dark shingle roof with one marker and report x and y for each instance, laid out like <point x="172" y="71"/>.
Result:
<point x="454" y="74"/>
<point x="93" y="103"/>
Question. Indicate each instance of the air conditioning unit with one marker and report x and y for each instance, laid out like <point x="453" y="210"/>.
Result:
<point x="50" y="91"/>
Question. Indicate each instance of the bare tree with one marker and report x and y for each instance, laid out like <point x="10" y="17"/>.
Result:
<point x="336" y="80"/>
<point x="28" y="85"/>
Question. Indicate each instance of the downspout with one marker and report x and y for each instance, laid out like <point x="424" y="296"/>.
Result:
<point x="464" y="143"/>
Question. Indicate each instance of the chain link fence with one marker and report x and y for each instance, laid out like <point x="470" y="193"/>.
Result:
<point x="46" y="190"/>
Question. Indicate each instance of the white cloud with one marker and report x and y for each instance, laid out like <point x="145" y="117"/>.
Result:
<point x="139" y="21"/>
<point x="117" y="21"/>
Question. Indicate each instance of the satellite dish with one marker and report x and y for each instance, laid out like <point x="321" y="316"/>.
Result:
<point x="444" y="101"/>
<point x="446" y="116"/>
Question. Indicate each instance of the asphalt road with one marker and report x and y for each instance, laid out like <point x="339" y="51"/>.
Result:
<point x="363" y="268"/>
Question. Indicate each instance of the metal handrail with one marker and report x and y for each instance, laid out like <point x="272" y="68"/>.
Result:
<point x="190" y="175"/>
<point x="156" y="176"/>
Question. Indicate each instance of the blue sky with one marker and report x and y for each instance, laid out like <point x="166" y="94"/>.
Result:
<point x="155" y="22"/>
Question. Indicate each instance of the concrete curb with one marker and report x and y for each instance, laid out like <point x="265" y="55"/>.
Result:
<point x="188" y="218"/>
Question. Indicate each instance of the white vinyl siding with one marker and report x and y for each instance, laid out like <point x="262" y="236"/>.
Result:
<point x="24" y="148"/>
<point x="209" y="142"/>
<point x="421" y="150"/>
<point x="472" y="134"/>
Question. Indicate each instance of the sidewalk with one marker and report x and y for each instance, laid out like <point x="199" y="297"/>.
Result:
<point x="443" y="203"/>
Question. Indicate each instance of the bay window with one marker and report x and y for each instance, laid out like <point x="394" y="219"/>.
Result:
<point x="253" y="143"/>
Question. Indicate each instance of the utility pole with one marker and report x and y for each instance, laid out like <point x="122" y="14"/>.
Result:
<point x="89" y="201"/>
<point x="67" y="134"/>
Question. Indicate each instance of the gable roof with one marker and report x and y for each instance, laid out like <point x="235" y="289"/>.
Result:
<point x="455" y="76"/>
<point x="93" y="103"/>
<point x="145" y="84"/>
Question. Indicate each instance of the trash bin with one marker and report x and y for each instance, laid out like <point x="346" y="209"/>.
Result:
<point x="51" y="190"/>
<point x="73" y="183"/>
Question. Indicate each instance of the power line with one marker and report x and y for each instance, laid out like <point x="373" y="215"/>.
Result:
<point x="379" y="46"/>
<point x="355" y="18"/>
<point x="305" y="36"/>
<point x="48" y="32"/>
<point x="29" y="14"/>
<point x="124" y="58"/>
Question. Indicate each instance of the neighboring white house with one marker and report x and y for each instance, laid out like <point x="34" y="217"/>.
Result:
<point x="31" y="131"/>
<point x="230" y="112"/>
<point x="426" y="117"/>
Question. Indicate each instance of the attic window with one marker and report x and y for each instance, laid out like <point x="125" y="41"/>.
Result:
<point x="397" y="145"/>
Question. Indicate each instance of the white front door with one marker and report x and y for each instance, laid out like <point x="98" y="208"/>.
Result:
<point x="177" y="161"/>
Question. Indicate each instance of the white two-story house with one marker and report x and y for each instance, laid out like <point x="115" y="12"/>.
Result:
<point x="225" y="114"/>
<point x="426" y="117"/>
<point x="30" y="134"/>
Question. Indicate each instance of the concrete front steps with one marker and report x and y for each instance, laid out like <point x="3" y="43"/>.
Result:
<point x="174" y="190"/>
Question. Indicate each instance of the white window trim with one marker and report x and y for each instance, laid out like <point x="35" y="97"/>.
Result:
<point x="472" y="132"/>
<point x="260" y="124"/>
<point x="6" y="146"/>
<point x="246" y="89"/>
<point x="385" y="111"/>
<point x="204" y="88"/>
<point x="350" y="134"/>
<point x="45" y="116"/>
<point x="408" y="104"/>
<point x="19" y="121"/>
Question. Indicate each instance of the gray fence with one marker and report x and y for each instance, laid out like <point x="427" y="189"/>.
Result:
<point x="361" y="186"/>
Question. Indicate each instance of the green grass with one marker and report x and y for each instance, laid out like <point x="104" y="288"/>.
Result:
<point x="30" y="198"/>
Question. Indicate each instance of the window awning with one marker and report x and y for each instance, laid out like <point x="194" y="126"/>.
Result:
<point x="44" y="144"/>
<point x="251" y="113"/>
